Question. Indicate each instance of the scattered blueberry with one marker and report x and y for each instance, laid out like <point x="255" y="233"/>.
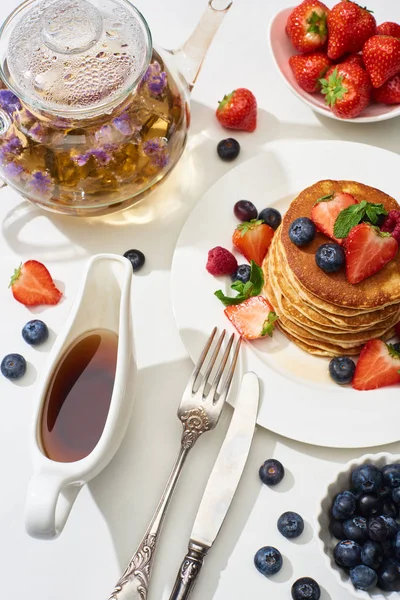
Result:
<point x="306" y="589"/>
<point x="372" y="554"/>
<point x="396" y="347"/>
<point x="341" y="369"/>
<point x="363" y="577"/>
<point x="245" y="210"/>
<point x="290" y="525"/>
<point x="228" y="149"/>
<point x="242" y="274"/>
<point x="347" y="553"/>
<point x="369" y="505"/>
<point x="271" y="217"/>
<point x="302" y="231"/>
<point x="268" y="560"/>
<point x="356" y="529"/>
<point x="330" y="258"/>
<point x="13" y="366"/>
<point x="391" y="476"/>
<point x="382" y="528"/>
<point x="389" y="509"/>
<point x="336" y="529"/>
<point x="367" y="478"/>
<point x="389" y="576"/>
<point x="396" y="496"/>
<point x="35" y="332"/>
<point x="344" y="506"/>
<point x="396" y="545"/>
<point x="136" y="258"/>
<point x="271" y="472"/>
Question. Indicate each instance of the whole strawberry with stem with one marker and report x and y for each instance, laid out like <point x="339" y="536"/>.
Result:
<point x="381" y="55"/>
<point x="389" y="92"/>
<point x="308" y="69"/>
<point x="347" y="90"/>
<point x="307" y="26"/>
<point x="389" y="28"/>
<point x="349" y="27"/>
<point x="238" y="110"/>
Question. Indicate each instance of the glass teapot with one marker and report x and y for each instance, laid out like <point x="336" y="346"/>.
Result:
<point x="92" y="117"/>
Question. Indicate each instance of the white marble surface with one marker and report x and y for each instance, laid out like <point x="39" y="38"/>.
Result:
<point x="111" y="513"/>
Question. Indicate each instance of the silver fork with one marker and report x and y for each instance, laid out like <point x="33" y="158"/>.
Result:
<point x="199" y="411"/>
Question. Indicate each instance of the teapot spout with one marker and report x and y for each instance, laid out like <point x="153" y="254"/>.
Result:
<point x="190" y="57"/>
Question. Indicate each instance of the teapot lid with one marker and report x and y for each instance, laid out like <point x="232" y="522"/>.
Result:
<point x="74" y="56"/>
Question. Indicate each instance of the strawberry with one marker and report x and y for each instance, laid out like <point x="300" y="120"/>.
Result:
<point x="308" y="70"/>
<point x="381" y="55"/>
<point x="389" y="28"/>
<point x="347" y="90"/>
<point x="326" y="210"/>
<point x="238" y="110"/>
<point x="355" y="59"/>
<point x="349" y="27"/>
<point x="368" y="250"/>
<point x="254" y="318"/>
<point x="32" y="285"/>
<point x="306" y="26"/>
<point x="378" y="366"/>
<point x="389" y="92"/>
<point x="253" y="239"/>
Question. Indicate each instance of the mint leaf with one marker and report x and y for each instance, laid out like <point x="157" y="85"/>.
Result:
<point x="354" y="214"/>
<point x="392" y="351"/>
<point x="269" y="324"/>
<point x="227" y="301"/>
<point x="324" y="198"/>
<point x="256" y="278"/>
<point x="245" y="290"/>
<point x="238" y="286"/>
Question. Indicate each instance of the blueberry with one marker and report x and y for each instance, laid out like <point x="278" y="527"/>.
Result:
<point x="302" y="231"/>
<point x="136" y="258"/>
<point x="271" y="472"/>
<point x="306" y="589"/>
<point x="389" y="509"/>
<point x="391" y="525"/>
<point x="389" y="576"/>
<point x="396" y="545"/>
<point x="396" y="496"/>
<point x="242" y="274"/>
<point x="347" y="553"/>
<point x="363" y="577"/>
<point x="245" y="210"/>
<point x="387" y="548"/>
<point x="271" y="217"/>
<point x="396" y="347"/>
<point x="372" y="554"/>
<point x="35" y="332"/>
<point x="382" y="528"/>
<point x="391" y="476"/>
<point x="336" y="529"/>
<point x="268" y="560"/>
<point x="367" y="478"/>
<point x="13" y="366"/>
<point x="341" y="369"/>
<point x="330" y="258"/>
<point x="369" y="505"/>
<point x="356" y="529"/>
<point x="228" y="149"/>
<point x="344" y="506"/>
<point x="385" y="493"/>
<point x="290" y="525"/>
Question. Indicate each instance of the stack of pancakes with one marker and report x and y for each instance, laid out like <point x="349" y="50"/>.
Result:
<point x="323" y="313"/>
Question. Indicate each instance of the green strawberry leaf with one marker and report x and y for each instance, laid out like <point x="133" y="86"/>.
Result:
<point x="16" y="275"/>
<point x="333" y="88"/>
<point x="248" y="225"/>
<point x="269" y="324"/>
<point x="245" y="291"/>
<point x="317" y="24"/>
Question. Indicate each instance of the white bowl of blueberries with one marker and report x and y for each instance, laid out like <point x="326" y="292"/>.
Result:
<point x="359" y="527"/>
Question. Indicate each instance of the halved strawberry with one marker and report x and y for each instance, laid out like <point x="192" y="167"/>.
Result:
<point x="252" y="239"/>
<point x="378" y="366"/>
<point x="254" y="318"/>
<point x="326" y="210"/>
<point x="32" y="285"/>
<point x="368" y="250"/>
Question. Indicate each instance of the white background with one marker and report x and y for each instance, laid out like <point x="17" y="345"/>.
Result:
<point x="111" y="513"/>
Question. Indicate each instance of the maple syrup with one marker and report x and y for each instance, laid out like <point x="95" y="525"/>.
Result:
<point x="79" y="396"/>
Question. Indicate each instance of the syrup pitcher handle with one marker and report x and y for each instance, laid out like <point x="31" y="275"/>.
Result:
<point x="49" y="502"/>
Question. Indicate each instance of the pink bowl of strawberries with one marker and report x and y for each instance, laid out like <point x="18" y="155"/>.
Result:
<point x="339" y="60"/>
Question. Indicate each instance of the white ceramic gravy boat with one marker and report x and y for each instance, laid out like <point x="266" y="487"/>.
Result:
<point x="102" y="302"/>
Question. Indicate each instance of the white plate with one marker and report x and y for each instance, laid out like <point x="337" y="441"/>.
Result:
<point x="299" y="400"/>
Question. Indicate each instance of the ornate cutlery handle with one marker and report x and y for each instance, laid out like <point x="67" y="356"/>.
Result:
<point x="188" y="572"/>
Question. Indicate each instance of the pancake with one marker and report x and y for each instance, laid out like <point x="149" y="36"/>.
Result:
<point x="378" y="291"/>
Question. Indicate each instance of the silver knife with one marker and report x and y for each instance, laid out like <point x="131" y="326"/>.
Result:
<point x="221" y="485"/>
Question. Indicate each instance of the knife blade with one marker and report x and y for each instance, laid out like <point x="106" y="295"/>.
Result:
<point x="221" y="485"/>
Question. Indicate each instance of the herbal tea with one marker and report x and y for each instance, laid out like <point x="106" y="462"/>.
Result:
<point x="78" y="397"/>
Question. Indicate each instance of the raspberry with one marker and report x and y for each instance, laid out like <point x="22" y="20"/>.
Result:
<point x="221" y="262"/>
<point x="392" y="224"/>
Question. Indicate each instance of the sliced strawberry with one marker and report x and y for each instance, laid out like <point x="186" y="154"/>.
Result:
<point x="378" y="366"/>
<point x="326" y="210"/>
<point x="254" y="318"/>
<point x="308" y="69"/>
<point x="32" y="285"/>
<point x="252" y="239"/>
<point x="368" y="250"/>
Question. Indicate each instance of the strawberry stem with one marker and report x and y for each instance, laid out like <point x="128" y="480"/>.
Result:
<point x="226" y="99"/>
<point x="269" y="324"/>
<point x="333" y="88"/>
<point x="16" y="275"/>
<point x="317" y="24"/>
